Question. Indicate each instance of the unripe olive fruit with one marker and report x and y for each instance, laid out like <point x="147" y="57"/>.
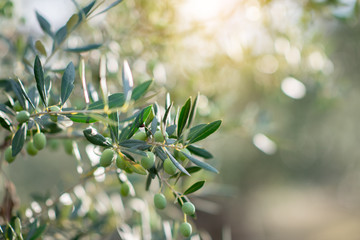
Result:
<point x="31" y="149"/>
<point x="188" y="208"/>
<point x="107" y="157"/>
<point x="54" y="118"/>
<point x="160" y="201"/>
<point x="124" y="189"/>
<point x="17" y="106"/>
<point x="169" y="167"/>
<point x="54" y="144"/>
<point x="148" y="161"/>
<point x="159" y="137"/>
<point x="140" y="136"/>
<point x="39" y="140"/>
<point x="185" y="229"/>
<point x="8" y="155"/>
<point x="120" y="162"/>
<point x="22" y="116"/>
<point x="179" y="154"/>
<point x="68" y="146"/>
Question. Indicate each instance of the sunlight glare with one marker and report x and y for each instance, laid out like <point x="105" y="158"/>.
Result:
<point x="264" y="144"/>
<point x="293" y="88"/>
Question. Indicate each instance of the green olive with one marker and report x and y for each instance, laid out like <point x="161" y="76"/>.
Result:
<point x="159" y="137"/>
<point x="188" y="208"/>
<point x="39" y="140"/>
<point x="54" y="118"/>
<point x="8" y="155"/>
<point x="107" y="157"/>
<point x="140" y="136"/>
<point x="160" y="201"/>
<point x="17" y="106"/>
<point x="22" y="116"/>
<point x="148" y="161"/>
<point x="54" y="144"/>
<point x="120" y="162"/>
<point x="31" y="149"/>
<point x="124" y="189"/>
<point x="180" y="154"/>
<point x="68" y="146"/>
<point x="185" y="229"/>
<point x="169" y="167"/>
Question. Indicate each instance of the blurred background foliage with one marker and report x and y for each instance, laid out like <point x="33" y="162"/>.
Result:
<point x="283" y="76"/>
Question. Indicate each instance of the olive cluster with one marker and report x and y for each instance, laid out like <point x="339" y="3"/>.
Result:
<point x="187" y="208"/>
<point x="113" y="155"/>
<point x="37" y="142"/>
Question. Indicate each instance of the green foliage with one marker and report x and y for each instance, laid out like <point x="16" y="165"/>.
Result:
<point x="126" y="126"/>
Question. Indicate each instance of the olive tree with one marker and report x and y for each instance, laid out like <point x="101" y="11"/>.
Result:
<point x="128" y="137"/>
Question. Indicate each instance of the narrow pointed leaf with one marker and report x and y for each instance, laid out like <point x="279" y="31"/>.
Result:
<point x="92" y="135"/>
<point x="199" y="152"/>
<point x="140" y="90"/>
<point x="60" y="36"/>
<point x="5" y="121"/>
<point x="140" y="120"/>
<point x="44" y="24"/>
<point x="201" y="164"/>
<point x="25" y="94"/>
<point x="110" y="6"/>
<point x="191" y="170"/>
<point x="67" y="83"/>
<point x="175" y="162"/>
<point x="34" y="95"/>
<point x="196" y="186"/>
<point x="40" y="48"/>
<point x="153" y="126"/>
<point x="6" y="109"/>
<point x="18" y="93"/>
<point x="72" y="22"/>
<point x="114" y="128"/>
<point x="193" y="111"/>
<point x="183" y="117"/>
<point x="87" y="8"/>
<point x="205" y="131"/>
<point x="40" y="80"/>
<point x="19" y="140"/>
<point x="167" y="114"/>
<point x="84" y="48"/>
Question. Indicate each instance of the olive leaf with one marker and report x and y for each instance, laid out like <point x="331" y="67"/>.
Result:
<point x="201" y="164"/>
<point x="204" y="131"/>
<point x="19" y="139"/>
<point x="201" y="152"/>
<point x="21" y="86"/>
<point x="110" y="6"/>
<point x="175" y="162"/>
<point x="16" y="88"/>
<point x="140" y="90"/>
<point x="193" y="188"/>
<point x="44" y="24"/>
<point x="84" y="48"/>
<point x="92" y="135"/>
<point x="67" y="83"/>
<point x="183" y="117"/>
<point x="40" y="80"/>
